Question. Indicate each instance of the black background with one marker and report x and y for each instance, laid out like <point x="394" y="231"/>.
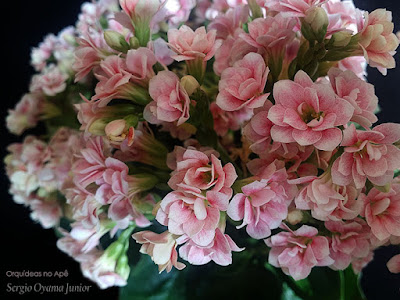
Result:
<point x="25" y="245"/>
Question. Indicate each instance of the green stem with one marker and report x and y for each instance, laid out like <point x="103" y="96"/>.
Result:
<point x="142" y="32"/>
<point x="126" y="234"/>
<point x="342" y="285"/>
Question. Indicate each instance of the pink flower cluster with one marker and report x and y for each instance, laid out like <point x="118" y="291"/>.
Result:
<point x="37" y="170"/>
<point x="201" y="192"/>
<point x="208" y="118"/>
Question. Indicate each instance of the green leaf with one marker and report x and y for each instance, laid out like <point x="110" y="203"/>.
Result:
<point x="325" y="284"/>
<point x="288" y="294"/>
<point x="144" y="282"/>
<point x="350" y="285"/>
<point x="240" y="280"/>
<point x="245" y="279"/>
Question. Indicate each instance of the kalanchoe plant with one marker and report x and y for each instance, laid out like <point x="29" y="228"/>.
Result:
<point x="172" y="124"/>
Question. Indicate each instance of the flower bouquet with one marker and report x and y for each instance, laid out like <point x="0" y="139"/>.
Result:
<point x="181" y="132"/>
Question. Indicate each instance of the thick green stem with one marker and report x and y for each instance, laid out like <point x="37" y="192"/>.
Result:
<point x="197" y="68"/>
<point x="142" y="32"/>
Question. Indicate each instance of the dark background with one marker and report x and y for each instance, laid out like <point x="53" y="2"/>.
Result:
<point x="26" y="245"/>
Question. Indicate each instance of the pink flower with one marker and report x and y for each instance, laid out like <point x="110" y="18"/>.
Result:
<point x="328" y="201"/>
<point x="342" y="15"/>
<point x="377" y="40"/>
<point x="258" y="130"/>
<point x="176" y="11"/>
<point x="368" y="154"/>
<point x="202" y="189"/>
<point x="139" y="63"/>
<point x="356" y="64"/>
<point x="161" y="248"/>
<point x="92" y="162"/>
<point x="25" y="163"/>
<point x="69" y="245"/>
<point x="227" y="24"/>
<point x="170" y="100"/>
<point x="119" y="78"/>
<point x="140" y="9"/>
<point x="26" y="113"/>
<point x="115" y="187"/>
<point x="292" y="8"/>
<point x="358" y="93"/>
<point x="261" y="206"/>
<point x="232" y="50"/>
<point x="296" y="252"/>
<point x="119" y="189"/>
<point x="271" y="34"/>
<point x="226" y="120"/>
<point x="219" y="250"/>
<point x="91" y="51"/>
<point x="394" y="264"/>
<point x="243" y="84"/>
<point x="190" y="45"/>
<point x="101" y="269"/>
<point x="282" y="161"/>
<point x="190" y="212"/>
<point x="46" y="212"/>
<point x="88" y="237"/>
<point x="350" y="240"/>
<point x="43" y="52"/>
<point x="84" y="206"/>
<point x="178" y="152"/>
<point x="51" y="81"/>
<point x="113" y="81"/>
<point x="162" y="52"/>
<point x="382" y="211"/>
<point x="196" y="169"/>
<point x="308" y="113"/>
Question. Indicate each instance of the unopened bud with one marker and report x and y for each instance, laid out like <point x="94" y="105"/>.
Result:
<point x="190" y="84"/>
<point x="341" y="39"/>
<point x="134" y="42"/>
<point x="315" y="24"/>
<point x="97" y="126"/>
<point x="114" y="251"/>
<point x="116" y="41"/>
<point x="295" y="216"/>
<point x="123" y="268"/>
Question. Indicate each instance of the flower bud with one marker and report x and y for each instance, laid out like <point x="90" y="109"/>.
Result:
<point x="97" y="126"/>
<point x="116" y="41"/>
<point x="294" y="217"/>
<point x="123" y="268"/>
<point x="134" y="42"/>
<point x="341" y="39"/>
<point x="315" y="24"/>
<point x="114" y="251"/>
<point x="190" y="84"/>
